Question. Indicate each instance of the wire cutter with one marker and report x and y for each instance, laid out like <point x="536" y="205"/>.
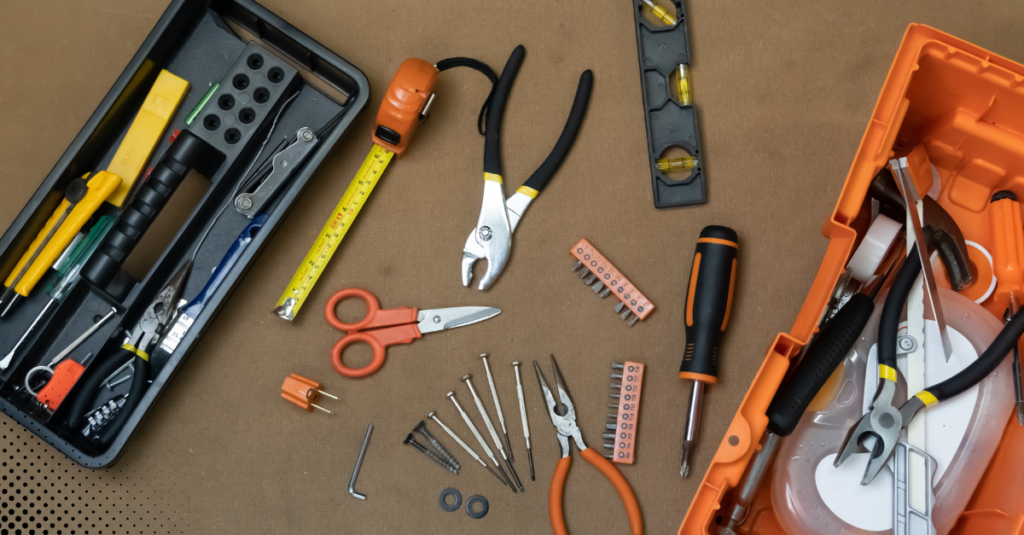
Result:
<point x="491" y="239"/>
<point x="563" y="416"/>
<point x="884" y="422"/>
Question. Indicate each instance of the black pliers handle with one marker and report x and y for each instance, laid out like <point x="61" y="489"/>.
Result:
<point x="491" y="239"/>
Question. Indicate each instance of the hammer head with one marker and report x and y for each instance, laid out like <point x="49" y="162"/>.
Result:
<point x="940" y="231"/>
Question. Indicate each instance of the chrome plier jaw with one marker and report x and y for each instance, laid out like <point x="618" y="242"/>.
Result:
<point x="491" y="239"/>
<point x="883" y="423"/>
<point x="562" y="412"/>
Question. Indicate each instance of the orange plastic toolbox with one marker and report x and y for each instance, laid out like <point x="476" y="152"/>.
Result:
<point x="965" y="105"/>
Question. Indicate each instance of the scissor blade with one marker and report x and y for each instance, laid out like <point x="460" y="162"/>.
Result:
<point x="450" y="318"/>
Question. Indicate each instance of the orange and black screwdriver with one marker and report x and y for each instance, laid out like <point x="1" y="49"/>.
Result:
<point x="708" y="303"/>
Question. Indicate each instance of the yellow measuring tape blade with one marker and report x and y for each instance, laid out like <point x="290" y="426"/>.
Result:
<point x="333" y="233"/>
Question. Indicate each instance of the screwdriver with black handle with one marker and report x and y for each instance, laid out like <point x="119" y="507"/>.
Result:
<point x="708" y="303"/>
<point x="820" y="359"/>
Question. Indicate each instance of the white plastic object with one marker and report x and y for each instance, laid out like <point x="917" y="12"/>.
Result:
<point x="872" y="249"/>
<point x="810" y="496"/>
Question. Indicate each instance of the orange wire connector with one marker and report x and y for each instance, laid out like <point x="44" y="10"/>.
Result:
<point x="304" y="392"/>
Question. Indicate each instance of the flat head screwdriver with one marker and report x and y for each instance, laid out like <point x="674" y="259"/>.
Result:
<point x="497" y="406"/>
<point x="526" y="423"/>
<point x="1008" y="267"/>
<point x="708" y="303"/>
<point x="480" y="439"/>
<point x="468" y="379"/>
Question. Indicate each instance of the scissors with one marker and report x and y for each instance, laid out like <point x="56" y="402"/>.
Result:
<point x="403" y="326"/>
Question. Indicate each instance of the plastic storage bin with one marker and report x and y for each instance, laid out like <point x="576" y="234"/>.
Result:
<point x="966" y="106"/>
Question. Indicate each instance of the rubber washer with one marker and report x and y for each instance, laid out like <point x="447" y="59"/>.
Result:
<point x="450" y="491"/>
<point x="483" y="503"/>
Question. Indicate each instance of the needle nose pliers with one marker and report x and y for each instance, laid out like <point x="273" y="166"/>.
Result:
<point x="884" y="422"/>
<point x="563" y="416"/>
<point x="491" y="239"/>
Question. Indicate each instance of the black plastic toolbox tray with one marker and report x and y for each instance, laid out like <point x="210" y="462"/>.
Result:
<point x="198" y="40"/>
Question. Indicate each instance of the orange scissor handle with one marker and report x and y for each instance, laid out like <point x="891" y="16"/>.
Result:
<point x="636" y="523"/>
<point x="375" y="317"/>
<point x="400" y="323"/>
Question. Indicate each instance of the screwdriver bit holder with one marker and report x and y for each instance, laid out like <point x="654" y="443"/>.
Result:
<point x="255" y="56"/>
<point x="601" y="276"/>
<point x="627" y="378"/>
<point x="663" y="49"/>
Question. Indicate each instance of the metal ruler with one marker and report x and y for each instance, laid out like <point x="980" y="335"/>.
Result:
<point x="333" y="232"/>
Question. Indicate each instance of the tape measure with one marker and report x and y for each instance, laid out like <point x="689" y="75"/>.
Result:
<point x="333" y="232"/>
<point x="404" y="106"/>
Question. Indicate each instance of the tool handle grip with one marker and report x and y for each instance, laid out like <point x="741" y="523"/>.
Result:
<point x="194" y="307"/>
<point x="636" y="522"/>
<point x="1007" y="246"/>
<point x="65" y="375"/>
<point x="378" y="340"/>
<point x="375" y="317"/>
<point x="543" y="174"/>
<point x="492" y="140"/>
<point x="555" y="496"/>
<point x="819" y="361"/>
<point x="709" y="301"/>
<point x="892" y="310"/>
<point x="184" y="154"/>
<point x="1003" y="344"/>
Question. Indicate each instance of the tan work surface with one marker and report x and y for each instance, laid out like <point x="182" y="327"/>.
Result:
<point x="784" y="93"/>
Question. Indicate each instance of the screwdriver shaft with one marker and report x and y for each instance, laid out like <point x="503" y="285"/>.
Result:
<point x="692" y="422"/>
<point x="480" y="439"/>
<point x="526" y="422"/>
<point x="497" y="406"/>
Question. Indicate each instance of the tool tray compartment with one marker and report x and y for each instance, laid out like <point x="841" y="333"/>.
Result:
<point x="200" y="41"/>
<point x="963" y="104"/>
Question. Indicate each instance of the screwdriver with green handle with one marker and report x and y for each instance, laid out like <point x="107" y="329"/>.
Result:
<point x="68" y="273"/>
<point x="708" y="304"/>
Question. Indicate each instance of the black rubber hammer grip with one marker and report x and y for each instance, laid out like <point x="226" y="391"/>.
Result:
<point x="820" y="360"/>
<point x="185" y="153"/>
<point x="708" y="302"/>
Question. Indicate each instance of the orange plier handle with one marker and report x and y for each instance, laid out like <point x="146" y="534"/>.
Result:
<point x="636" y="523"/>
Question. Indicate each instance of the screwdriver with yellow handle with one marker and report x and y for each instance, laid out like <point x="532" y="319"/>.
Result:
<point x="83" y="198"/>
<point x="708" y="304"/>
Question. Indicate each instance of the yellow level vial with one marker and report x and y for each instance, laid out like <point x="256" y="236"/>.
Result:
<point x="333" y="232"/>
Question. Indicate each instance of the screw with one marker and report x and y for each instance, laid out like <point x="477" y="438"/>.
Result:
<point x="433" y="457"/>
<point x="907" y="344"/>
<point x="421" y="428"/>
<point x="244" y="203"/>
<point x="306" y="134"/>
<point x="485" y="233"/>
<point x="433" y="416"/>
